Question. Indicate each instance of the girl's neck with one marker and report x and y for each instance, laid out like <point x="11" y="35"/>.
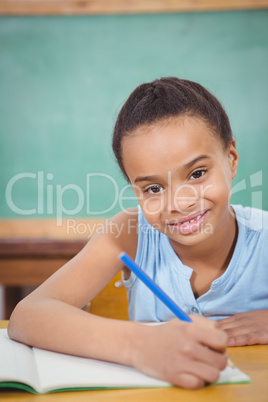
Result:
<point x="210" y="259"/>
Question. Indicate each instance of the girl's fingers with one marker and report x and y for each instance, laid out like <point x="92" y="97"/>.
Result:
<point x="210" y="357"/>
<point x="188" y="381"/>
<point x="196" y="376"/>
<point x="209" y="335"/>
<point x="227" y="323"/>
<point x="186" y="354"/>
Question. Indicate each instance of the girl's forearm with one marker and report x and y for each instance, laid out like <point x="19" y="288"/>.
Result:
<point x="54" y="325"/>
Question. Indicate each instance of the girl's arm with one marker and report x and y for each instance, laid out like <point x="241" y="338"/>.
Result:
<point x="249" y="328"/>
<point x="187" y="355"/>
<point x="51" y="317"/>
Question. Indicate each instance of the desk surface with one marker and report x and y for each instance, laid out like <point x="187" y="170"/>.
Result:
<point x="253" y="360"/>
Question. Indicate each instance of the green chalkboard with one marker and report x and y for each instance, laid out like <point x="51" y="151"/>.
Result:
<point x="64" y="79"/>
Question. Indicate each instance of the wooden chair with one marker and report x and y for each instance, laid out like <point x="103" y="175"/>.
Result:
<point x="111" y="302"/>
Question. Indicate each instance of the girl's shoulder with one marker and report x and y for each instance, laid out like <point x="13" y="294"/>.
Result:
<point x="123" y="227"/>
<point x="253" y="219"/>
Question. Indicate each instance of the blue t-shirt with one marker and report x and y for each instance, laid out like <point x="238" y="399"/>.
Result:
<point x="243" y="286"/>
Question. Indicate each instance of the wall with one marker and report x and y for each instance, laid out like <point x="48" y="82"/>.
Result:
<point x="64" y="79"/>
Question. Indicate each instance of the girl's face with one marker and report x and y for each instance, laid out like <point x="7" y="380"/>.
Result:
<point x="181" y="175"/>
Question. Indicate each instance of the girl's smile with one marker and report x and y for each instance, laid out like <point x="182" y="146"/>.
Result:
<point x="190" y="224"/>
<point x="182" y="175"/>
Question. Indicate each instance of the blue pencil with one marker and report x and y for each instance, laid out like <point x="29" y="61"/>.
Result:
<point x="154" y="287"/>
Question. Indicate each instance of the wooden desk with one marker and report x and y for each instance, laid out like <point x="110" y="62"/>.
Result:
<point x="251" y="359"/>
<point x="28" y="262"/>
<point x="31" y="251"/>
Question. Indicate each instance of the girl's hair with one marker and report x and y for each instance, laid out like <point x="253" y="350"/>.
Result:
<point x="164" y="98"/>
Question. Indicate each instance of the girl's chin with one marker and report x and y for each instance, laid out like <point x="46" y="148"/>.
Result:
<point x="189" y="238"/>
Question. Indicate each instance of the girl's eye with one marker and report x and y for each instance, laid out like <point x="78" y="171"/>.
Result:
<point x="154" y="189"/>
<point x="197" y="174"/>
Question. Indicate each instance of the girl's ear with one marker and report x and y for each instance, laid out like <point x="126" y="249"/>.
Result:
<point x="233" y="158"/>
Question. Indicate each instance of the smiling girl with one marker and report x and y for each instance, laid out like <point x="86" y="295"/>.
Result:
<point x="174" y="144"/>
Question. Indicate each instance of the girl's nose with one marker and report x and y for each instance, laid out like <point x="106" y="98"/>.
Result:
<point x="182" y="198"/>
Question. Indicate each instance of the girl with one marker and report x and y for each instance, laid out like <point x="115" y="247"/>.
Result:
<point x="173" y="142"/>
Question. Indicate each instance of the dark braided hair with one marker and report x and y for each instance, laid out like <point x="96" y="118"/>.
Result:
<point x="164" y="98"/>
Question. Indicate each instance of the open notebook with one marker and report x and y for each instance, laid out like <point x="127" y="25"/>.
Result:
<point x="42" y="371"/>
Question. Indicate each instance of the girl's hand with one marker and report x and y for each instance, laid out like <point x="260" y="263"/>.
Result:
<point x="246" y="328"/>
<point x="188" y="355"/>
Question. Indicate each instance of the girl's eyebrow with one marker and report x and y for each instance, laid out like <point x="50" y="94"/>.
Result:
<point x="195" y="160"/>
<point x="146" y="178"/>
<point x="186" y="166"/>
